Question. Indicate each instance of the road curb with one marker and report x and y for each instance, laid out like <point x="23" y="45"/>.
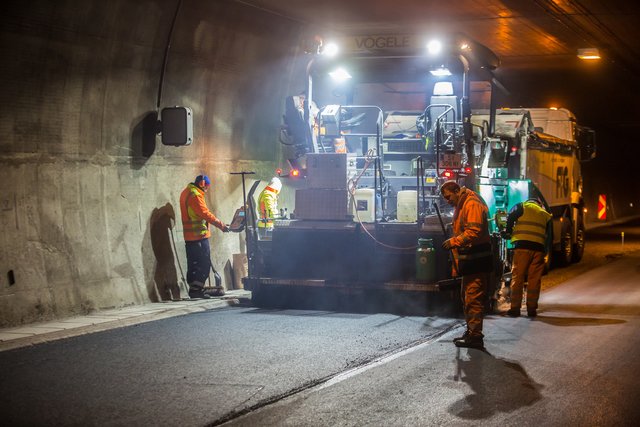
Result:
<point x="198" y="306"/>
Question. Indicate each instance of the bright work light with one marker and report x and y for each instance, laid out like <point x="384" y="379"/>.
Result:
<point x="434" y="47"/>
<point x="340" y="74"/>
<point x="443" y="89"/>
<point x="330" y="49"/>
<point x="440" y="72"/>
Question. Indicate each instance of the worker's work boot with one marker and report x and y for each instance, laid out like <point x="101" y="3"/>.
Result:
<point x="514" y="312"/>
<point x="463" y="337"/>
<point x="471" y="341"/>
<point x="197" y="291"/>
<point x="216" y="291"/>
<point x="532" y="312"/>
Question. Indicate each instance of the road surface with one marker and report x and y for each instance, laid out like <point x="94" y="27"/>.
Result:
<point x="575" y="364"/>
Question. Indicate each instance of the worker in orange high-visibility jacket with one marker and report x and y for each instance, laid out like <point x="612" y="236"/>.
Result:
<point x="196" y="218"/>
<point x="471" y="247"/>
<point x="268" y="206"/>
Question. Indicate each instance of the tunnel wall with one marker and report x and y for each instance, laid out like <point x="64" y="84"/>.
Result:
<point x="89" y="194"/>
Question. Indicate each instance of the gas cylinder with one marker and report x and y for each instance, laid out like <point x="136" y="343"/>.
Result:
<point x="425" y="261"/>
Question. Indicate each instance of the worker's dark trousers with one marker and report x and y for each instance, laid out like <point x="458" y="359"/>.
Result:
<point x="198" y="261"/>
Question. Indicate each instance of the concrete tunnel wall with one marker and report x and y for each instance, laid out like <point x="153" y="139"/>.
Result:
<point x="89" y="193"/>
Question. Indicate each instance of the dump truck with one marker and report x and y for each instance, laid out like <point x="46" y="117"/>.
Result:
<point x="380" y="126"/>
<point x="536" y="152"/>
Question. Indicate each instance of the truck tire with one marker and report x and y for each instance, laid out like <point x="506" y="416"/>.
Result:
<point x="578" y="246"/>
<point x="565" y="254"/>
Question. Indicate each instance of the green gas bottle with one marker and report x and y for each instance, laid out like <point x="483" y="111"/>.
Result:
<point x="425" y="261"/>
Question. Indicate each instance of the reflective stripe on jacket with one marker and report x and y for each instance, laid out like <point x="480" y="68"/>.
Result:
<point x="196" y="217"/>
<point x="470" y="221"/>
<point x="532" y="225"/>
<point x="268" y="207"/>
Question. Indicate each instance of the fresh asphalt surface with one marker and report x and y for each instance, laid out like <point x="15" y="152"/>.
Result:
<point x="194" y="369"/>
<point x="574" y="364"/>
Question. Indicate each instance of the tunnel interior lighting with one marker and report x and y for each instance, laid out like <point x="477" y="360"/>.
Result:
<point x="589" y="54"/>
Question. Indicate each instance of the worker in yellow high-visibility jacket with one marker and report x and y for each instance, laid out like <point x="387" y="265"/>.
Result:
<point x="528" y="227"/>
<point x="268" y="206"/>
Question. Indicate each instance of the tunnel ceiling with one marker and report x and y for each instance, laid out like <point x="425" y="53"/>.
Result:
<point x="537" y="42"/>
<point x="529" y="34"/>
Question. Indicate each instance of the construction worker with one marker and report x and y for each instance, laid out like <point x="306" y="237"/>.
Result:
<point x="299" y="101"/>
<point x="472" y="258"/>
<point x="196" y="218"/>
<point x="528" y="228"/>
<point x="268" y="206"/>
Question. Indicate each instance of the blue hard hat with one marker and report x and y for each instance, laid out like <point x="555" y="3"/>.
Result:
<point x="202" y="181"/>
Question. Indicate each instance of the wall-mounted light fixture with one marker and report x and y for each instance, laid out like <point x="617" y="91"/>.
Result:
<point x="589" y="53"/>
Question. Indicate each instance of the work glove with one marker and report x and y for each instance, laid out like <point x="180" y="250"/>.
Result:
<point x="505" y="235"/>
<point x="447" y="244"/>
<point x="225" y="228"/>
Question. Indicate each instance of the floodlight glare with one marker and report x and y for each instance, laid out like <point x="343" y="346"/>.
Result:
<point x="443" y="89"/>
<point x="440" y="72"/>
<point x="434" y="47"/>
<point x="340" y="74"/>
<point x="330" y="49"/>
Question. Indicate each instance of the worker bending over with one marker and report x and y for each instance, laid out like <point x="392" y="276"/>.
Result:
<point x="528" y="228"/>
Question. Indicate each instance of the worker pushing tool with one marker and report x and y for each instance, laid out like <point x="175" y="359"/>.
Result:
<point x="196" y="218"/>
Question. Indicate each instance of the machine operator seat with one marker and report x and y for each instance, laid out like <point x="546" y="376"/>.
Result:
<point x="295" y="126"/>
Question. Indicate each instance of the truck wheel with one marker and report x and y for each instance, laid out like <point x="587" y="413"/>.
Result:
<point x="578" y="247"/>
<point x="565" y="254"/>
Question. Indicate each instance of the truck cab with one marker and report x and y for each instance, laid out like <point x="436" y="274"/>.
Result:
<point x="537" y="152"/>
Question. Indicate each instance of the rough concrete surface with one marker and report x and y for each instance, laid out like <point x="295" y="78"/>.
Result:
<point x="89" y="194"/>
